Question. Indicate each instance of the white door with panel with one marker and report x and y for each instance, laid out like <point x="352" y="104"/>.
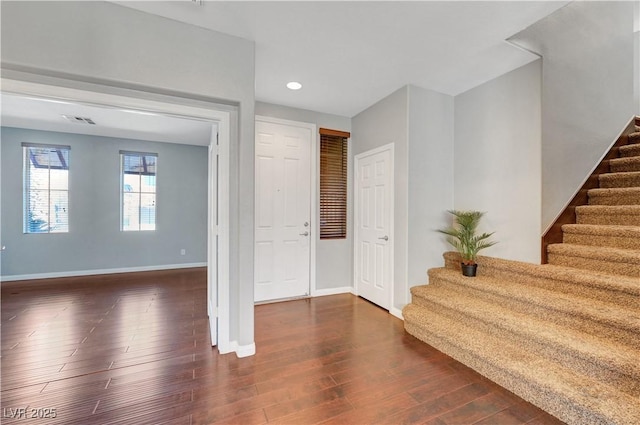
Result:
<point x="282" y="211"/>
<point x="374" y="225"/>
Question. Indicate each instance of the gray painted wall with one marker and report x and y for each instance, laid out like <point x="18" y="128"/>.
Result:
<point x="94" y="240"/>
<point x="636" y="67"/>
<point x="498" y="160"/>
<point x="383" y="123"/>
<point x="117" y="47"/>
<point x="419" y="122"/>
<point x="334" y="258"/>
<point x="587" y="91"/>
<point x="636" y="55"/>
<point x="430" y="181"/>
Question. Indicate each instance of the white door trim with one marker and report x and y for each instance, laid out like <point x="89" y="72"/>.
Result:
<point x="315" y="212"/>
<point x="356" y="210"/>
<point x="220" y="117"/>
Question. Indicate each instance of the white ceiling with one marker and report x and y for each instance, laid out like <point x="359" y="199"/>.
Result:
<point x="47" y="114"/>
<point x="348" y="56"/>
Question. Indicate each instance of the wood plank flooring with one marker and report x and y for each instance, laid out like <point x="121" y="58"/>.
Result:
<point x="135" y="349"/>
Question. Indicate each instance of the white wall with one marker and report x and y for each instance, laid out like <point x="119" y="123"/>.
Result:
<point x="587" y="91"/>
<point x="497" y="160"/>
<point x="118" y="47"/>
<point x="430" y="191"/>
<point x="334" y="257"/>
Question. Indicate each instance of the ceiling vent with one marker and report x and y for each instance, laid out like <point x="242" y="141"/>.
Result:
<point x="79" y="120"/>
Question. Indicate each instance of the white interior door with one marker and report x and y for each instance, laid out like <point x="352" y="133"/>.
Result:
<point x="374" y="225"/>
<point x="282" y="211"/>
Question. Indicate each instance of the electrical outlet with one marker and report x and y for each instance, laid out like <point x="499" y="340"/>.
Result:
<point x="183" y="251"/>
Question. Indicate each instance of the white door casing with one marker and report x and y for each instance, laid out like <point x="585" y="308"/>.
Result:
<point x="212" y="235"/>
<point x="373" y="246"/>
<point x="284" y="234"/>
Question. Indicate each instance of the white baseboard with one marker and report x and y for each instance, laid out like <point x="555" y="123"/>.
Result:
<point x="99" y="271"/>
<point x="246" y="350"/>
<point x="396" y="312"/>
<point x="240" y="350"/>
<point x="332" y="291"/>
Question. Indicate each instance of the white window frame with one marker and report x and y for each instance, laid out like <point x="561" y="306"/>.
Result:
<point x="124" y="154"/>
<point x="26" y="187"/>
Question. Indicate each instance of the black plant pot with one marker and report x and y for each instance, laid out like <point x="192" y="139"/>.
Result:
<point x="469" y="270"/>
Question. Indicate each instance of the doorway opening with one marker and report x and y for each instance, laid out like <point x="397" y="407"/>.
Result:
<point x="218" y="119"/>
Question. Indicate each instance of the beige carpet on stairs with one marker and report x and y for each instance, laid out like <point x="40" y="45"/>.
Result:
<point x="564" y="335"/>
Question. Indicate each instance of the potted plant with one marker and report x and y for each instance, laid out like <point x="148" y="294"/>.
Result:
<point x="464" y="239"/>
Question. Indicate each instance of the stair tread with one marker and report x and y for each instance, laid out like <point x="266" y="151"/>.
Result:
<point x="601" y="311"/>
<point x="605" y="281"/>
<point x="519" y="323"/>
<point x="613" y="191"/>
<point x="624" y="164"/>
<point x="608" y="209"/>
<point x="632" y="137"/>
<point x="620" y="174"/>
<point x="616" y="255"/>
<point x="556" y="383"/>
<point x="603" y="230"/>
<point x="624" y="160"/>
<point x="629" y="147"/>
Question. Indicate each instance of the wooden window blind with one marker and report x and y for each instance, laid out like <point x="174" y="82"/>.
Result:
<point x="333" y="183"/>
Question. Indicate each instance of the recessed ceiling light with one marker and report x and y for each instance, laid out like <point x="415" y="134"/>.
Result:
<point x="294" y="85"/>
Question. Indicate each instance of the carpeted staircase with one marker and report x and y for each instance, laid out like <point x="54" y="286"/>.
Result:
<point x="564" y="335"/>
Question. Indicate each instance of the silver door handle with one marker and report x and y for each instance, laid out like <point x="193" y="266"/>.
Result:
<point x="304" y="234"/>
<point x="386" y="238"/>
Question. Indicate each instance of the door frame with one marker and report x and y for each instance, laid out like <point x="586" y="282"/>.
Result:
<point x="315" y="187"/>
<point x="219" y="116"/>
<point x="356" y="220"/>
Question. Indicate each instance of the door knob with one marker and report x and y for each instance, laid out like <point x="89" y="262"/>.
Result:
<point x="304" y="234"/>
<point x="385" y="238"/>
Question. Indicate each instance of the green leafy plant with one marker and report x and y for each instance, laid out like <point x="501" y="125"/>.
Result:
<point x="463" y="235"/>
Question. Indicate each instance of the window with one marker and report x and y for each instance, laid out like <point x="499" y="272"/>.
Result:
<point x="138" y="191"/>
<point x="46" y="188"/>
<point x="333" y="184"/>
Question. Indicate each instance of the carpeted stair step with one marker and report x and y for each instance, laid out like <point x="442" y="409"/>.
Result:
<point x="629" y="150"/>
<point x="613" y="261"/>
<point x="623" y="237"/>
<point x="613" y="322"/>
<point x="634" y="137"/>
<point x="608" y="215"/>
<point x="625" y="179"/>
<point x="618" y="165"/>
<point x="584" y="353"/>
<point x="620" y="290"/>
<point x="615" y="196"/>
<point x="572" y="397"/>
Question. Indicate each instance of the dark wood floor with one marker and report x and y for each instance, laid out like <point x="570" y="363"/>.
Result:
<point x="135" y="349"/>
